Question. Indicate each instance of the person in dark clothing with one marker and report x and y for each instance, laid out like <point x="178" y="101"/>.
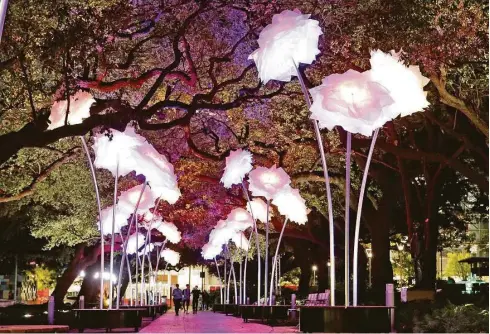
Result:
<point x="205" y="300"/>
<point x="187" y="298"/>
<point x="195" y="299"/>
<point x="177" y="295"/>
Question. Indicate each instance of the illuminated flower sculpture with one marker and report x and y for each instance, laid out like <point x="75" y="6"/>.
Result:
<point x="351" y="100"/>
<point x="80" y="104"/>
<point x="290" y="204"/>
<point x="259" y="209"/>
<point x="405" y="83"/>
<point x="267" y="182"/>
<point x="117" y="150"/>
<point x="171" y="256"/>
<point x="239" y="220"/>
<point x="121" y="219"/>
<point x="128" y="199"/>
<point x="240" y="241"/>
<point x="238" y="164"/>
<point x="210" y="251"/>
<point x="291" y="39"/>
<point x="169" y="230"/>
<point x="135" y="242"/>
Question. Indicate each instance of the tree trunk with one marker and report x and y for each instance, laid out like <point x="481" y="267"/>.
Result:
<point x="82" y="259"/>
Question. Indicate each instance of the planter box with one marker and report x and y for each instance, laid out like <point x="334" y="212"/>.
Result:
<point x="340" y="319"/>
<point x="108" y="319"/>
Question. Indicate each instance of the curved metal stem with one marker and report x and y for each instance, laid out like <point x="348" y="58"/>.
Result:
<point x="328" y="191"/>
<point x="256" y="241"/>
<point x="266" y="270"/>
<point x="358" y="216"/>
<point x="275" y="258"/>
<point x="97" y="196"/>
<point x="125" y="248"/>
<point x="244" y="301"/>
<point x="114" y="208"/>
<point x="234" y="276"/>
<point x="220" y="281"/>
<point x="347" y="219"/>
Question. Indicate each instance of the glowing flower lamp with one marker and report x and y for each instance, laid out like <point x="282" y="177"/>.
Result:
<point x="209" y="251"/>
<point x="169" y="230"/>
<point x="291" y="38"/>
<point x="238" y="164"/>
<point x="80" y="104"/>
<point x="259" y="209"/>
<point x="221" y="234"/>
<point x="267" y="182"/>
<point x="350" y="100"/>
<point x="405" y="83"/>
<point x="290" y="204"/>
<point x="118" y="148"/>
<point x="135" y="241"/>
<point x="121" y="219"/>
<point x="128" y="200"/>
<point x="239" y="219"/>
<point x="171" y="256"/>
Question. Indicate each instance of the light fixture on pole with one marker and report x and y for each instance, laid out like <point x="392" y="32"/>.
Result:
<point x="369" y="253"/>
<point x="314" y="268"/>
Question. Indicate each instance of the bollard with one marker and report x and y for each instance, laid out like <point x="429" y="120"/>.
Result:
<point x="403" y="295"/>
<point x="248" y="300"/>
<point x="51" y="310"/>
<point x="292" y="311"/>
<point x="390" y="302"/>
<point x="81" y="302"/>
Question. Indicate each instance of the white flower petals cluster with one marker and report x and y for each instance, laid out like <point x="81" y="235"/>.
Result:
<point x="290" y="204"/>
<point x="238" y="164"/>
<point x="170" y="256"/>
<point x="258" y="208"/>
<point x="135" y="242"/>
<point x="121" y="219"/>
<point x="80" y="104"/>
<point x="267" y="182"/>
<point x="351" y="100"/>
<point x="168" y="229"/>
<point x="240" y="241"/>
<point x="405" y="83"/>
<point x="291" y="39"/>
<point x="129" y="198"/>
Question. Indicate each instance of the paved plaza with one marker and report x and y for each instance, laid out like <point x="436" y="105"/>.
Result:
<point x="209" y="322"/>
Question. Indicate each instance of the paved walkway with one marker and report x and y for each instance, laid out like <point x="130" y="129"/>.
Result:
<point x="209" y="322"/>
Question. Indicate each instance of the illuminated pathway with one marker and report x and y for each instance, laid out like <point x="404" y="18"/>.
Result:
<point x="209" y="322"/>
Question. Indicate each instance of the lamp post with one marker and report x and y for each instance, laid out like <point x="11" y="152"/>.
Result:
<point x="400" y="249"/>
<point x="314" y="268"/>
<point x="369" y="253"/>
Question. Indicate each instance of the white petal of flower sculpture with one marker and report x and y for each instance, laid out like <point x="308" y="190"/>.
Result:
<point x="239" y="219"/>
<point x="128" y="199"/>
<point x="221" y="234"/>
<point x="259" y="209"/>
<point x="209" y="251"/>
<point x="238" y="164"/>
<point x="290" y="204"/>
<point x="171" y="256"/>
<point x="169" y="230"/>
<point x="80" y="104"/>
<point x="291" y="38"/>
<point x="350" y="100"/>
<point x="120" y="148"/>
<point x="159" y="172"/>
<point x="240" y="241"/>
<point x="267" y="182"/>
<point x="405" y="83"/>
<point x="135" y="238"/>
<point x="121" y="219"/>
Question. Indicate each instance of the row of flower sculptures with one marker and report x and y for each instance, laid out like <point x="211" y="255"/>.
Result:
<point x="122" y="153"/>
<point x="359" y="102"/>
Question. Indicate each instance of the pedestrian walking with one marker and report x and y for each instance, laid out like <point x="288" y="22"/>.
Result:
<point x="177" y="295"/>
<point x="187" y="298"/>
<point x="195" y="299"/>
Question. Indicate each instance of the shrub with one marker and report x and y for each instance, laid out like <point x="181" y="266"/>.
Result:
<point x="453" y="319"/>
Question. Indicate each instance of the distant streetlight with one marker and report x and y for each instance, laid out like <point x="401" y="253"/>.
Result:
<point x="315" y="268"/>
<point x="82" y="274"/>
<point x="369" y="253"/>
